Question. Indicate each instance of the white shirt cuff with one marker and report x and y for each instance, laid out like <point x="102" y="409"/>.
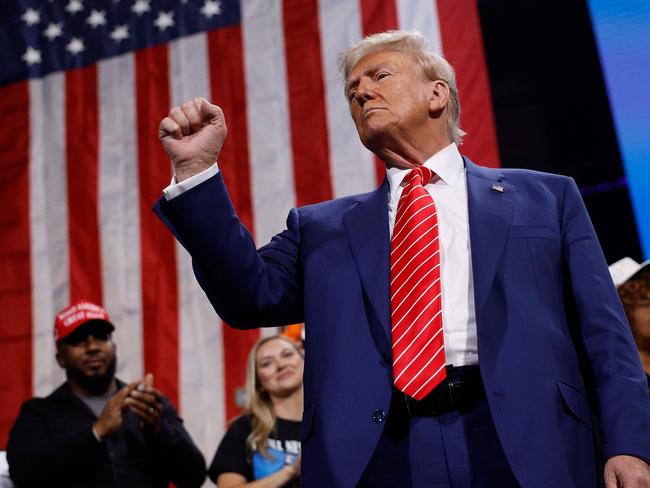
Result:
<point x="99" y="439"/>
<point x="174" y="189"/>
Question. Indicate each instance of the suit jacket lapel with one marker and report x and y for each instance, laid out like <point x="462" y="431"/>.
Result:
<point x="367" y="227"/>
<point x="490" y="216"/>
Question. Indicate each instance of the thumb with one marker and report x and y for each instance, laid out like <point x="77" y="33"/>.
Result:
<point x="209" y="113"/>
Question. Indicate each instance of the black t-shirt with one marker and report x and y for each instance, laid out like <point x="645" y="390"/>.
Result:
<point x="233" y="457"/>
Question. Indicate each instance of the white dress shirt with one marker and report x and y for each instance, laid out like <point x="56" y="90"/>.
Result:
<point x="449" y="191"/>
<point x="450" y="194"/>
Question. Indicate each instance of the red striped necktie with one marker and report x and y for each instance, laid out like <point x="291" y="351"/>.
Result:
<point x="415" y="291"/>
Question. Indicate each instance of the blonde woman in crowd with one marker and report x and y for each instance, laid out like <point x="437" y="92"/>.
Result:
<point x="262" y="447"/>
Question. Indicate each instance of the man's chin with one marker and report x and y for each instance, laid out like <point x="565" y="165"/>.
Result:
<point x="95" y="373"/>
<point x="94" y="381"/>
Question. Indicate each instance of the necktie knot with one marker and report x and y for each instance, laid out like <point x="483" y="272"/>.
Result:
<point x="419" y="176"/>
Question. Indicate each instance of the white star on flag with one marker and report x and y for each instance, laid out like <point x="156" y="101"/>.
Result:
<point x="32" y="56"/>
<point x="120" y="33"/>
<point x="53" y="31"/>
<point x="31" y="16"/>
<point x="141" y="6"/>
<point x="74" y="6"/>
<point x="75" y="46"/>
<point x="164" y="20"/>
<point x="210" y="8"/>
<point x="97" y="18"/>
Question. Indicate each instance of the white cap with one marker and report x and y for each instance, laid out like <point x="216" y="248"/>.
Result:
<point x="626" y="268"/>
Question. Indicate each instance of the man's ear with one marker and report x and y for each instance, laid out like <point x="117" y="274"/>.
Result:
<point x="59" y="357"/>
<point x="439" y="96"/>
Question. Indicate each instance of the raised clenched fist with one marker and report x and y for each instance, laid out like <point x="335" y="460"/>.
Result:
<point x="192" y="136"/>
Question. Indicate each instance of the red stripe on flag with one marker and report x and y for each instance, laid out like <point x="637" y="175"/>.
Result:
<point x="227" y="82"/>
<point x="15" y="286"/>
<point x="378" y="16"/>
<point x="158" y="256"/>
<point x="462" y="45"/>
<point x="81" y="140"/>
<point x="306" y="92"/>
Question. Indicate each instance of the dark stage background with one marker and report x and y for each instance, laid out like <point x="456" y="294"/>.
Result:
<point x="551" y="107"/>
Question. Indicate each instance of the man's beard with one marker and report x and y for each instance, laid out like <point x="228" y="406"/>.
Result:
<point x="96" y="385"/>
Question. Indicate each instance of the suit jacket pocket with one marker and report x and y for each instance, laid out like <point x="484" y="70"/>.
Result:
<point x="307" y="426"/>
<point x="533" y="231"/>
<point x="575" y="402"/>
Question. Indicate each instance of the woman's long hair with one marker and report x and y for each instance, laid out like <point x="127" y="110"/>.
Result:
<point x="258" y="401"/>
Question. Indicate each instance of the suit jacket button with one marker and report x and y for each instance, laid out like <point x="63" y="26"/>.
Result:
<point x="378" y="416"/>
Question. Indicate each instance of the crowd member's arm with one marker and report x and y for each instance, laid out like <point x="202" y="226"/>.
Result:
<point x="231" y="465"/>
<point x="36" y="455"/>
<point x="176" y="451"/>
<point x="173" y="446"/>
<point x="276" y="480"/>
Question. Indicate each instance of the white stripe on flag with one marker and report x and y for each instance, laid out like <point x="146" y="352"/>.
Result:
<point x="119" y="215"/>
<point x="201" y="350"/>
<point x="48" y="224"/>
<point x="421" y="16"/>
<point x="272" y="178"/>
<point x="352" y="166"/>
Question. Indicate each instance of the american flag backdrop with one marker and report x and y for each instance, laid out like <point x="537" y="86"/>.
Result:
<point x="83" y="87"/>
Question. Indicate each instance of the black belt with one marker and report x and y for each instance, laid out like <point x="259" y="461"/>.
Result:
<point x="461" y="391"/>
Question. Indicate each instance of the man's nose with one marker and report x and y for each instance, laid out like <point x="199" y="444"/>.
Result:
<point x="92" y="342"/>
<point x="365" y="91"/>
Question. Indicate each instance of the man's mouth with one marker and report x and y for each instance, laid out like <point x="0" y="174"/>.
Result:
<point x="94" y="363"/>
<point x="369" y="110"/>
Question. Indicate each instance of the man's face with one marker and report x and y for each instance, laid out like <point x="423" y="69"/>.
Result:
<point x="88" y="356"/>
<point x="389" y="99"/>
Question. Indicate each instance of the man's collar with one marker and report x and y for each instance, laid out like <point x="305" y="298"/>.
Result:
<point x="446" y="163"/>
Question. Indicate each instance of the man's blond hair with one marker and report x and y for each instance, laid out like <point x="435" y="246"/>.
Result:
<point x="432" y="66"/>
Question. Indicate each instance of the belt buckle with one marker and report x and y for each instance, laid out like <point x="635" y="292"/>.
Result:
<point x="453" y="389"/>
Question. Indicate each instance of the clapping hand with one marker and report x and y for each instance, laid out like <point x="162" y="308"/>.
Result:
<point x="146" y="402"/>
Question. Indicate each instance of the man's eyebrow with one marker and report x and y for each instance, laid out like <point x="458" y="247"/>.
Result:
<point x="369" y="71"/>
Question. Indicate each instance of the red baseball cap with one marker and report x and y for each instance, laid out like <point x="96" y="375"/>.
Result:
<point x="74" y="316"/>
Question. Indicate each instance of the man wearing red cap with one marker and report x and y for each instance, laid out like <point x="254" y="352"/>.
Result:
<point x="94" y="430"/>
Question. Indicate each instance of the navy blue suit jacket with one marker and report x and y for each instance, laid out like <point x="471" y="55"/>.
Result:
<point x="535" y="257"/>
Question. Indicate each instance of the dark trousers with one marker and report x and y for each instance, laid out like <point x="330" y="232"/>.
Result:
<point x="449" y="450"/>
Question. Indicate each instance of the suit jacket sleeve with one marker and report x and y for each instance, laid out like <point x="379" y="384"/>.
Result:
<point x="248" y="288"/>
<point x="620" y="386"/>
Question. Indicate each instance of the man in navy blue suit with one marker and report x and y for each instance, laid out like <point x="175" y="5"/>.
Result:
<point x="540" y="384"/>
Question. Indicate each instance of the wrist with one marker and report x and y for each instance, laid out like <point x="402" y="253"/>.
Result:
<point x="184" y="172"/>
<point x="290" y="471"/>
<point x="98" y="432"/>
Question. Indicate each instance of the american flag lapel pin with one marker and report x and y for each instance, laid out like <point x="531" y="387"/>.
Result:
<point x="498" y="188"/>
